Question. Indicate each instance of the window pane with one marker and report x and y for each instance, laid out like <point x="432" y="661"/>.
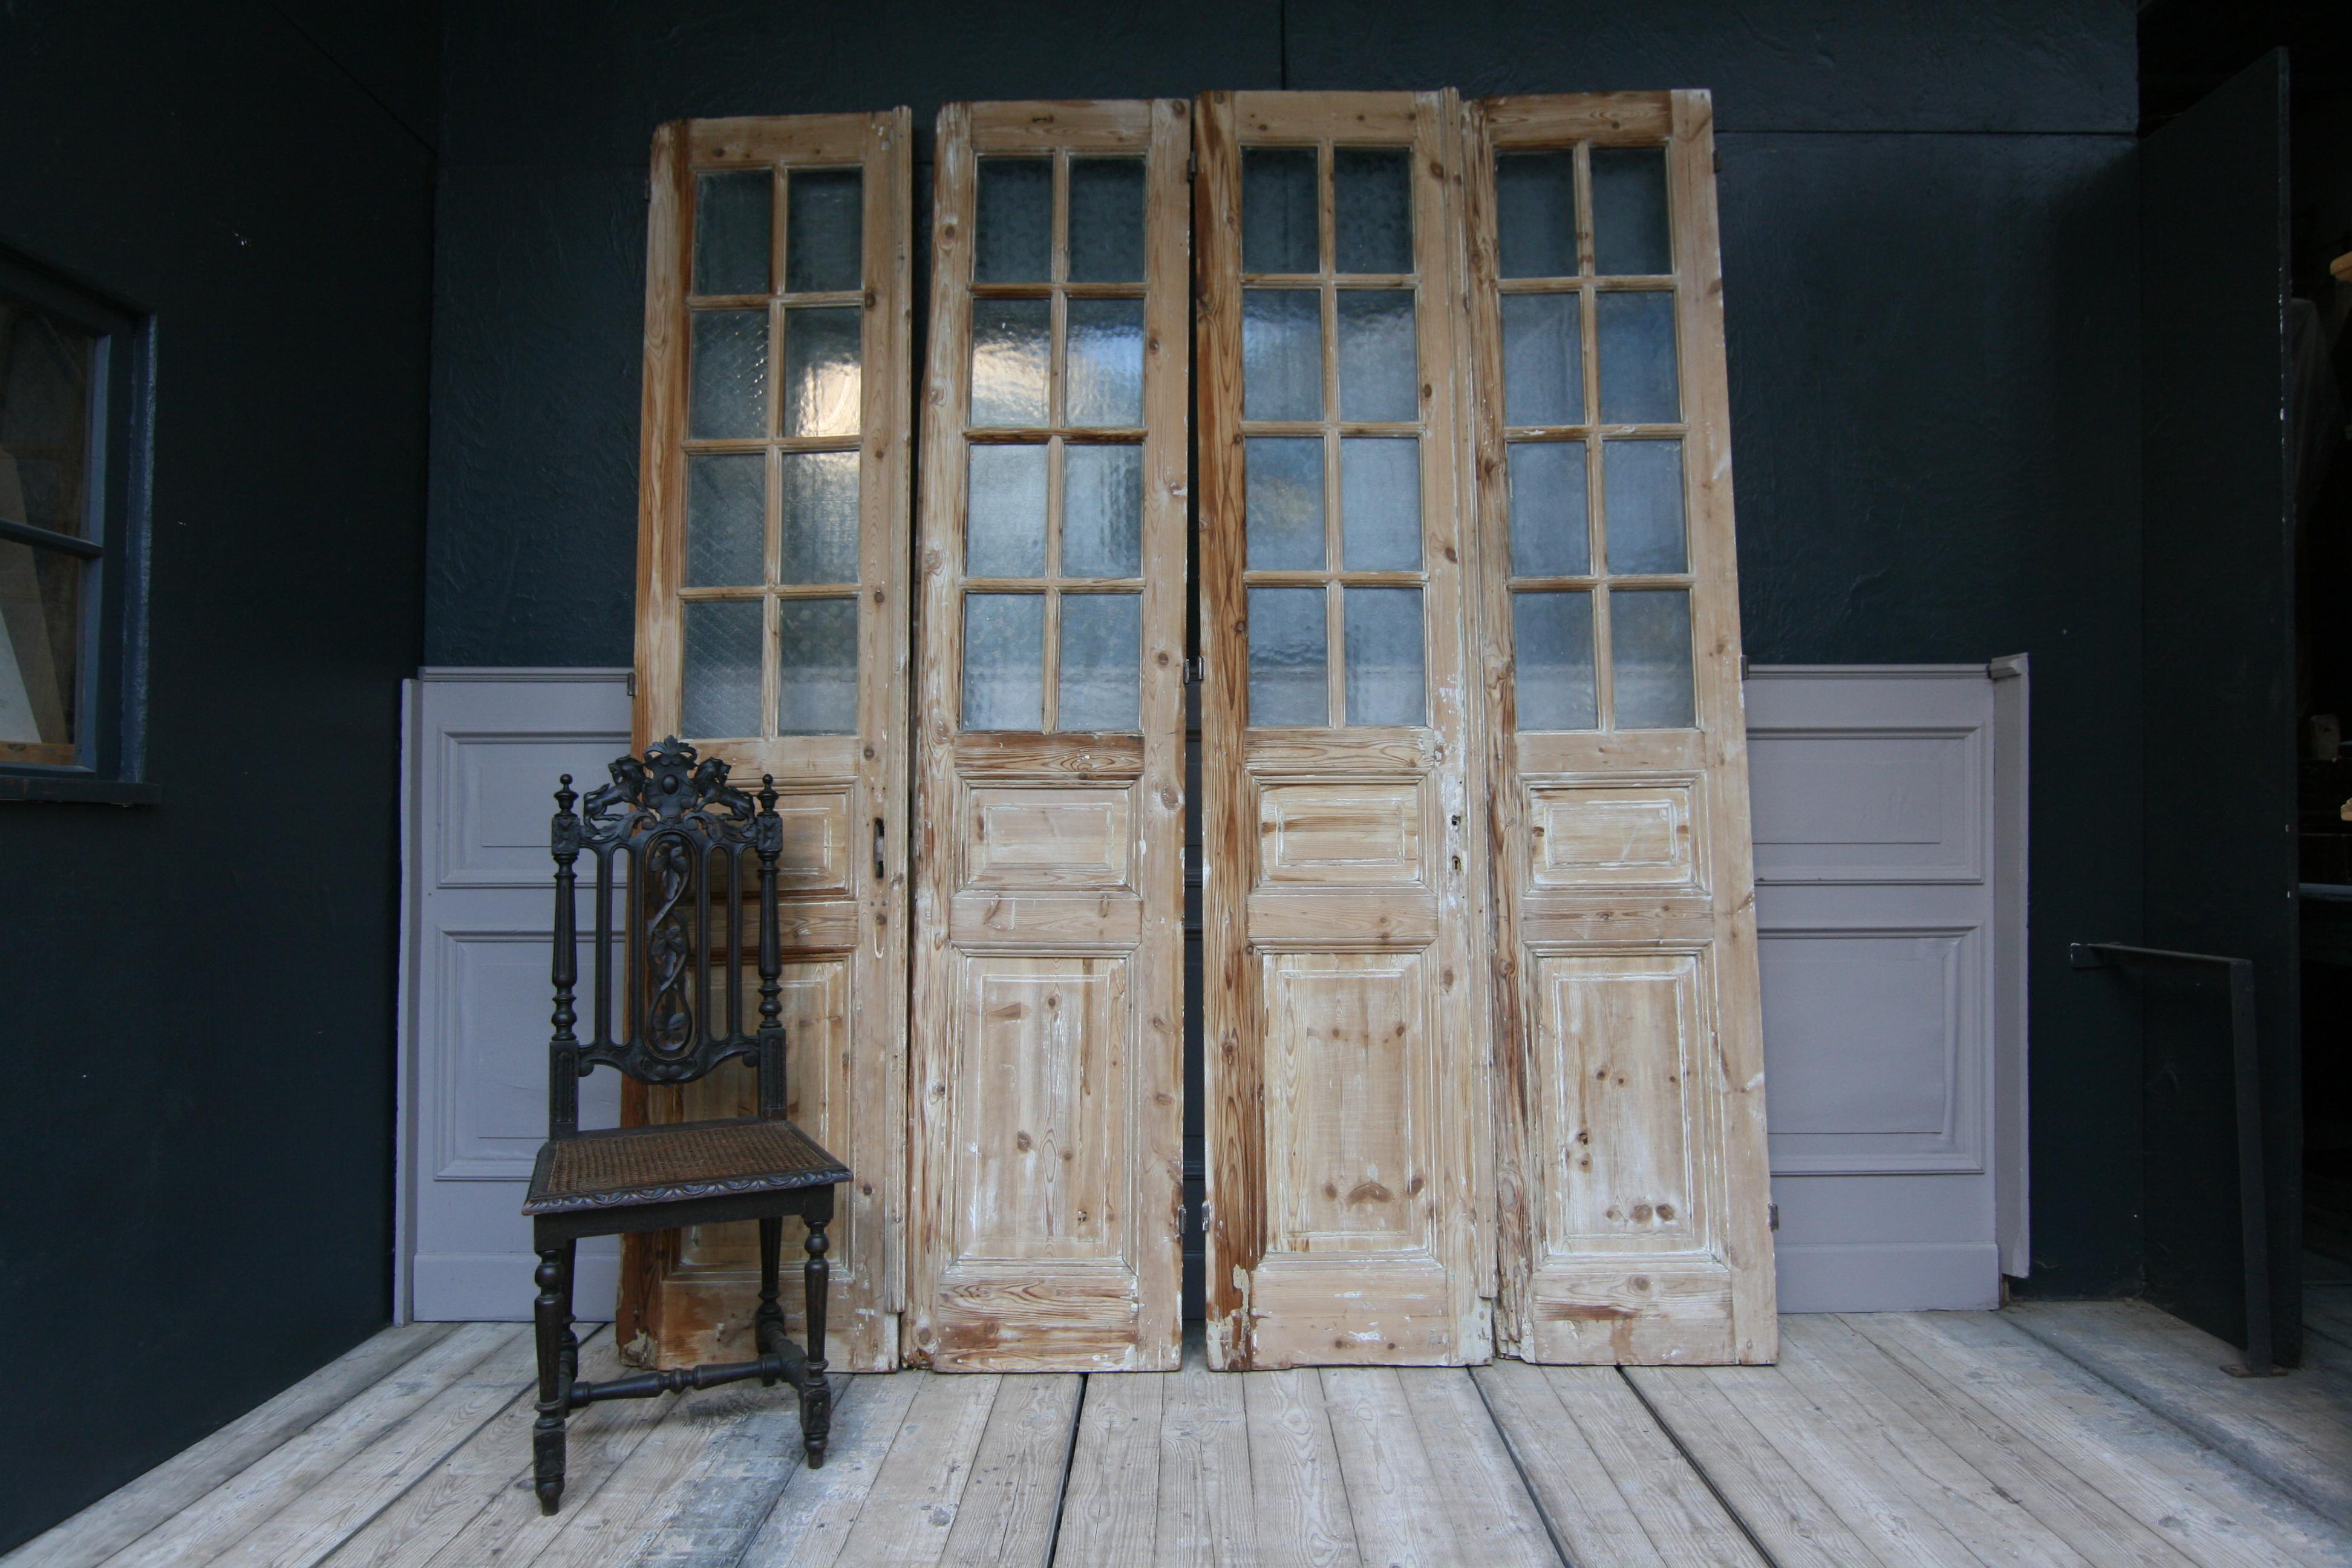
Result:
<point x="819" y="507"/>
<point x="817" y="666"/>
<point x="733" y="229"/>
<point x="45" y="378"/>
<point x="721" y="695"/>
<point x="1649" y="657"/>
<point x="729" y="374"/>
<point x="1642" y="483"/>
<point x="1629" y="210"/>
<point x="1638" y="384"/>
<point x="1534" y="213"/>
<point x="1282" y="354"/>
<point x="821" y="379"/>
<point x="1102" y="511"/>
<point x="1013" y="231"/>
<point x="1288" y="654"/>
<point x="1371" y="209"/>
<point x="40" y="642"/>
<point x="1009" y="339"/>
<point x="1551" y="642"/>
<point x="1105" y="364"/>
<point x="1383" y="652"/>
<point x="1004" y="661"/>
<point x="1004" y="528"/>
<point x="1550" y="536"/>
<point x="1102" y="650"/>
<point x="1278" y="209"/>
<point x="824" y="229"/>
<point x="726" y="521"/>
<point x="1107" y="220"/>
<point x="1378" y="375"/>
<point x="1543" y="360"/>
<point x="1283" y="503"/>
<point x="1380" y="503"/>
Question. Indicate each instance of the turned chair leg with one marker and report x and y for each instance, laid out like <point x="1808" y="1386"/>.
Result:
<point x="555" y="1384"/>
<point x="816" y="1394"/>
<point x="768" y="1323"/>
<point x="571" y="1337"/>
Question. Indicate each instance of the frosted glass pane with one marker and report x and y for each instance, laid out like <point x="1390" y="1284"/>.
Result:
<point x="1009" y="339"/>
<point x="1013" y="230"/>
<point x="1102" y="649"/>
<point x="1383" y="652"/>
<point x="818" y="677"/>
<point x="734" y="227"/>
<point x="819" y="507"/>
<point x="822" y="378"/>
<point x="721" y="686"/>
<point x="1543" y="360"/>
<point x="1004" y="661"/>
<point x="1380" y="503"/>
<point x="1107" y="220"/>
<point x="1102" y="511"/>
<point x="1551" y="641"/>
<point x="1282" y="354"/>
<point x="1550" y="534"/>
<point x="726" y="521"/>
<point x="1278" y="210"/>
<point x="1379" y="377"/>
<point x="1371" y="209"/>
<point x="1641" y="485"/>
<point x="1629" y="210"/>
<point x="1288" y="655"/>
<point x="1105" y="364"/>
<point x="1283" y="503"/>
<point x="1004" y="532"/>
<point x="824" y="229"/>
<point x="1649" y="657"/>
<point x="1534" y="213"/>
<point x="1638" y="383"/>
<point x="729" y="374"/>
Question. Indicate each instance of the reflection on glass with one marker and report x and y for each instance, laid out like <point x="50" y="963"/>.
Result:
<point x="1282" y="527"/>
<point x="726" y="521"/>
<point x="821" y="371"/>
<point x="1282" y="354"/>
<point x="1551" y="641"/>
<point x="1380" y="503"/>
<point x="1378" y="375"/>
<point x="1629" y="210"/>
<point x="732" y="231"/>
<point x="729" y="374"/>
<point x="1107" y="220"/>
<point x="820" y="517"/>
<point x="1543" y="368"/>
<point x="1287" y="650"/>
<point x="1105" y="386"/>
<point x="721" y="686"/>
<point x="1550" y="536"/>
<point x="1004" y="661"/>
<point x="817" y="678"/>
<point x="1371" y="209"/>
<point x="1102" y="511"/>
<point x="1649" y="657"/>
<point x="1102" y="650"/>
<point x="1534" y="213"/>
<point x="824" y="227"/>
<point x="1383" y="652"/>
<point x="1009" y="339"/>
<point x="1012" y="229"/>
<point x="1642" y="483"/>
<point x="1278" y="209"/>
<point x="1638" y="384"/>
<point x="1004" y="533"/>
<point x="41" y="597"/>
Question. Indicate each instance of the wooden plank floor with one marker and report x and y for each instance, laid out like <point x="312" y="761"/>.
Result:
<point x="2050" y="1433"/>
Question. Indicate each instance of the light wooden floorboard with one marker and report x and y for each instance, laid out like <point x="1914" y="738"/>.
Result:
<point x="1299" y="1495"/>
<point x="1110" y="1509"/>
<point x="906" y="1517"/>
<point x="1495" y="1521"/>
<point x="812" y="1519"/>
<point x="1592" y="1519"/>
<point x="1012" y="1499"/>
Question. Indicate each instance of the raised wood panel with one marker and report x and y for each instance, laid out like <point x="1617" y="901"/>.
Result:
<point x="1859" y="806"/>
<point x="1049" y="837"/>
<point x="1613" y="836"/>
<point x="500" y="792"/>
<point x="816" y="842"/>
<point x="1339" y="835"/>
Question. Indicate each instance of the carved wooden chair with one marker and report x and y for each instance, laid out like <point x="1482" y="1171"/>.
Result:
<point x="671" y="842"/>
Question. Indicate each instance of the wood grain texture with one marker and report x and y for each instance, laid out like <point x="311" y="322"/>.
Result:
<point x="1110" y="1504"/>
<point x="810" y="1524"/>
<point x="1009" y="1505"/>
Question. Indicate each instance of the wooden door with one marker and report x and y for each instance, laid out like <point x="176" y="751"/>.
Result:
<point x="1049" y="1060"/>
<point x="1344" y="1054"/>
<point x="1632" y="1188"/>
<point x="772" y="628"/>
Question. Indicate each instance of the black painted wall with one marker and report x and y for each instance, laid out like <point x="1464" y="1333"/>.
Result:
<point x="196" y="998"/>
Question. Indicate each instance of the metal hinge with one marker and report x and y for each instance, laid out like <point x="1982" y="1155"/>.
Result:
<point x="633" y="685"/>
<point x="1196" y="670"/>
<point x="1773" y="1211"/>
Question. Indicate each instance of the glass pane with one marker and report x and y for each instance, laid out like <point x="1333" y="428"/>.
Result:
<point x="1551" y="641"/>
<point x="1379" y="504"/>
<point x="721" y="695"/>
<point x="821" y="371"/>
<point x="1278" y="210"/>
<point x="824" y="229"/>
<point x="1629" y="210"/>
<point x="819" y="507"/>
<point x="1550" y="537"/>
<point x="1288" y="655"/>
<point x="1102" y="649"/>
<point x="45" y="376"/>
<point x="1282" y="354"/>
<point x="1004" y="528"/>
<point x="40" y="641"/>
<point x="726" y="521"/>
<point x="817" y="666"/>
<point x="1378" y="375"/>
<point x="729" y="374"/>
<point x="1638" y="384"/>
<point x="1371" y="209"/>
<point x="1641" y="482"/>
<point x="1107" y="220"/>
<point x="1013" y="231"/>
<point x="1102" y="511"/>
<point x="1649" y="657"/>
<point x="1534" y="213"/>
<point x="1283" y="503"/>
<point x="1106" y="365"/>
<point x="1383" y="651"/>
<point x="1543" y="360"/>
<point x="733" y="230"/>
<point x="1009" y="339"/>
<point x="1004" y="661"/>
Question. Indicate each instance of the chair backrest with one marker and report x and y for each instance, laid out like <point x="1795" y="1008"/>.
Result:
<point x="669" y="838"/>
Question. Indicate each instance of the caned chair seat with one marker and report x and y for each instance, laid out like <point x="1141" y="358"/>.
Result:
<point x="630" y="1167"/>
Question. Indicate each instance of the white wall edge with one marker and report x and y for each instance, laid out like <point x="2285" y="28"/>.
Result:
<point x="404" y="1228"/>
<point x="2012" y="813"/>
